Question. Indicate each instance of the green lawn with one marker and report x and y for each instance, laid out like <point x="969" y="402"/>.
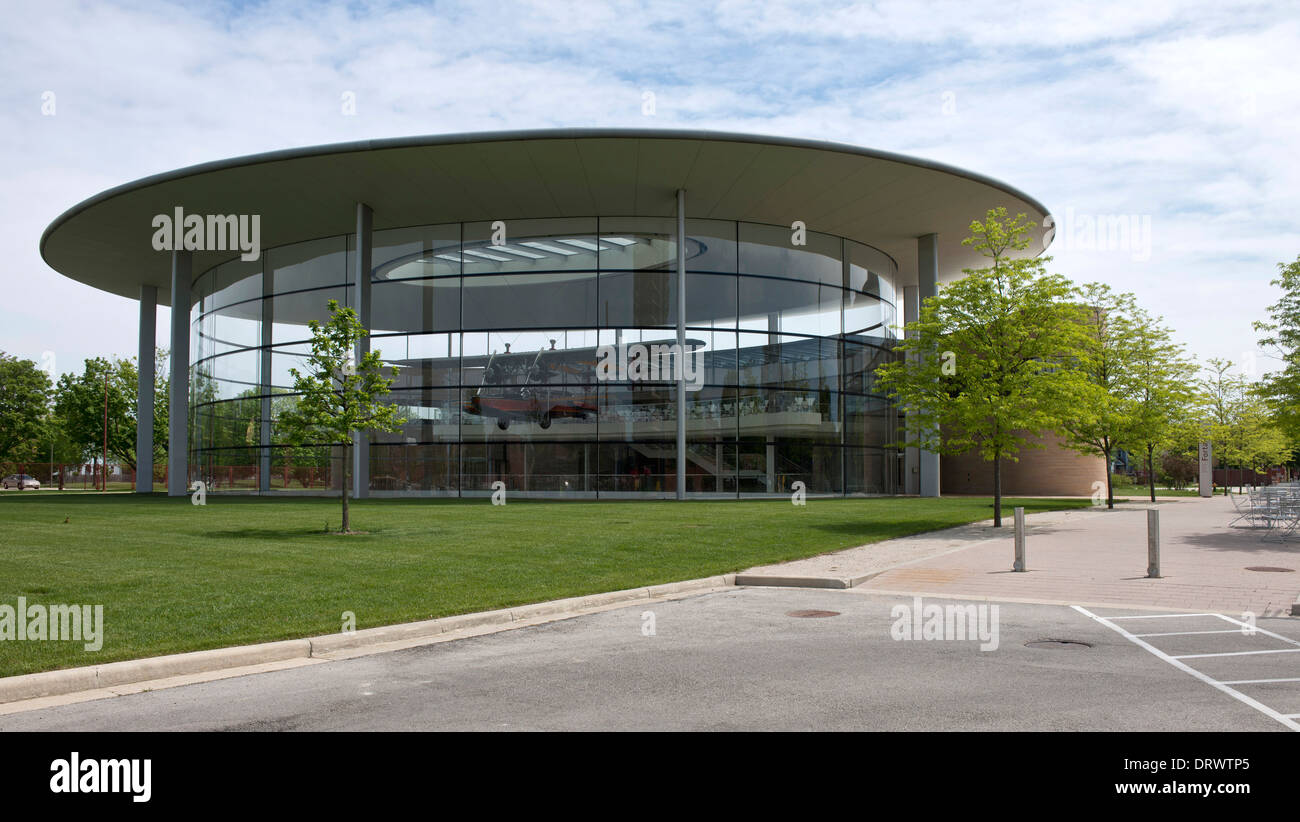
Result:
<point x="177" y="577"/>
<point x="1141" y="492"/>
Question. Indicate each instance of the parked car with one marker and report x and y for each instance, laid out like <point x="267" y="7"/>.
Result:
<point x="21" y="482"/>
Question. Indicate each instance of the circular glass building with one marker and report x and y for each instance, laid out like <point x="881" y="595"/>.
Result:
<point x="529" y="289"/>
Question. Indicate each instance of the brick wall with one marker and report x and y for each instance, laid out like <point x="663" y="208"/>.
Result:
<point x="1051" y="471"/>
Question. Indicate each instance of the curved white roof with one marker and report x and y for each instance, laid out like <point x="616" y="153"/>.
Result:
<point x="882" y="199"/>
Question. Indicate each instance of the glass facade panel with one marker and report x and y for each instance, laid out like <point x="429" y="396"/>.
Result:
<point x="416" y="253"/>
<point x="639" y="244"/>
<point x="415" y="305"/>
<point x="312" y="264"/>
<point x="860" y="364"/>
<point x="711" y="246"/>
<point x="291" y="312"/>
<point x="777" y="360"/>
<point x="770" y="251"/>
<point x="769" y="304"/>
<point x="236" y="282"/>
<point x="871" y="271"/>
<point x="497" y="342"/>
<point x="638" y="298"/>
<point x="558" y="299"/>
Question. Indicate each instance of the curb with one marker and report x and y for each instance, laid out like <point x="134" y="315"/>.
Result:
<point x="93" y="677"/>
<point x="766" y="581"/>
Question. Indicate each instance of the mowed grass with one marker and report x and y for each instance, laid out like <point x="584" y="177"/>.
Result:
<point x="1140" y="492"/>
<point x="176" y="577"/>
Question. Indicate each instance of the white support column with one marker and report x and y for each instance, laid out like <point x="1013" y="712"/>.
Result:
<point x="911" y="456"/>
<point x="681" y="344"/>
<point x="264" y="428"/>
<point x="146" y="370"/>
<point x="178" y="399"/>
<point x="361" y="281"/>
<point x="927" y="264"/>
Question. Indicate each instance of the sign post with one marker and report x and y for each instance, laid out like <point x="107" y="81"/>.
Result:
<point x="1205" y="484"/>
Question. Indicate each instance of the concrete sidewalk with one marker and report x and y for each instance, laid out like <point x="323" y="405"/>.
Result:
<point x="1083" y="556"/>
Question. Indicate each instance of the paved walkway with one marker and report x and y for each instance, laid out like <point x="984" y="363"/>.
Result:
<point x="1085" y="556"/>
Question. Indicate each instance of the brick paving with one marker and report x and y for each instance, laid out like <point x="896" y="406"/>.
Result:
<point x="1092" y="556"/>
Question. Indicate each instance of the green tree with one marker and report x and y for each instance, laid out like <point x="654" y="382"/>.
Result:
<point x="79" y="410"/>
<point x="79" y="404"/>
<point x="984" y="365"/>
<point x="1242" y="429"/>
<point x="1260" y="443"/>
<point x="1104" y="380"/>
<point x="1282" y="334"/>
<point x="1162" y="393"/>
<point x="339" y="396"/>
<point x="24" y="400"/>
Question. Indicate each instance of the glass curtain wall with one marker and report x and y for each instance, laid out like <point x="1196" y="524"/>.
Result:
<point x="529" y="359"/>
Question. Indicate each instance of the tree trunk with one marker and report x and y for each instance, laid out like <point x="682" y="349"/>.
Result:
<point x="1110" y="490"/>
<point x="346" y="529"/>
<point x="1151" y="471"/>
<point x="997" y="491"/>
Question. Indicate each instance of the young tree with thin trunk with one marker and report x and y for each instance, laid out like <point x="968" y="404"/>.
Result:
<point x="1160" y="405"/>
<point x="1103" y="371"/>
<point x="1243" y="431"/>
<point x="339" y="397"/>
<point x="987" y="372"/>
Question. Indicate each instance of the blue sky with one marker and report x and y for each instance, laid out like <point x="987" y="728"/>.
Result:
<point x="1181" y="115"/>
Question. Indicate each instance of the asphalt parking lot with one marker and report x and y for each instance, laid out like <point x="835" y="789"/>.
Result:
<point x="737" y="660"/>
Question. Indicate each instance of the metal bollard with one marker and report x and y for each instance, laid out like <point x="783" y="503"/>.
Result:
<point x="1020" y="540"/>
<point x="1153" y="544"/>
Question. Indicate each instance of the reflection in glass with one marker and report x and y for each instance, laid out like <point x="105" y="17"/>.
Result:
<point x="497" y="345"/>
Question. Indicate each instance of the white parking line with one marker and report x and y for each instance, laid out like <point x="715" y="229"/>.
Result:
<point x="1286" y="719"/>
<point x="1238" y="653"/>
<point x="1191" y="633"/>
<point x="1248" y="629"/>
<point x="1258" y="681"/>
<point x="1158" y="616"/>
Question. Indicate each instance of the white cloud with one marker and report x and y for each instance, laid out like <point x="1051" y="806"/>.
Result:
<point x="1183" y="111"/>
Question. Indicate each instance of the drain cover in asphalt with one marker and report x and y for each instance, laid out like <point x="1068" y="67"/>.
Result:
<point x="812" y="614"/>
<point x="1060" y="644"/>
<point x="1272" y="568"/>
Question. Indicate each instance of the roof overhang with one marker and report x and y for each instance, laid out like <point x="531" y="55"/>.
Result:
<point x="881" y="199"/>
